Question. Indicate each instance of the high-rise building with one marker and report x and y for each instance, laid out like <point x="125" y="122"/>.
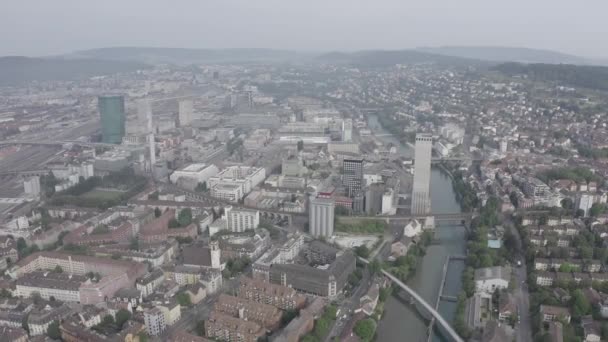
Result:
<point x="321" y="217"/>
<point x="185" y="113"/>
<point x="347" y="130"/>
<point x="31" y="186"/>
<point x="112" y="113"/>
<point x="421" y="197"/>
<point x="352" y="175"/>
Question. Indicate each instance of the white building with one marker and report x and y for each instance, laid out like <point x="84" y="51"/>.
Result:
<point x="387" y="202"/>
<point x="244" y="176"/>
<point x="31" y="186"/>
<point x="321" y="217"/>
<point x="198" y="173"/>
<point x="227" y="192"/>
<point x="421" y="199"/>
<point x="240" y="220"/>
<point x="585" y="202"/>
<point x="504" y="144"/>
<point x="412" y="229"/>
<point x="488" y="279"/>
<point x="185" y="113"/>
<point x="347" y="130"/>
<point x="154" y="320"/>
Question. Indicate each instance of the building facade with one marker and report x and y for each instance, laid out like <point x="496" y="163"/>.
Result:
<point x="112" y="113"/>
<point x="321" y="217"/>
<point x="352" y="175"/>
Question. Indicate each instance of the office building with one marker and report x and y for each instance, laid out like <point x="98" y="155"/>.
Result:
<point x="185" y="113"/>
<point x="421" y="196"/>
<point x="352" y="175"/>
<point x="31" y="186"/>
<point x="321" y="217"/>
<point x="195" y="173"/>
<point x="240" y="220"/>
<point x="347" y="130"/>
<point x="325" y="281"/>
<point x="112" y="113"/>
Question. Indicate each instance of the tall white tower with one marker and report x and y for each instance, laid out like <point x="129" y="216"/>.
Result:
<point x="214" y="247"/>
<point x="421" y="194"/>
<point x="347" y="130"/>
<point x="321" y="217"/>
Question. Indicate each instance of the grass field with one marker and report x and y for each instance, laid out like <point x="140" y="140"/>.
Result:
<point x="102" y="195"/>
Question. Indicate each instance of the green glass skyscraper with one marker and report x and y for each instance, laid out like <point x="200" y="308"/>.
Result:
<point x="112" y="112"/>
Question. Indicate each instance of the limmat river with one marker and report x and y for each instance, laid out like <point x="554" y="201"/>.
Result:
<point x="401" y="321"/>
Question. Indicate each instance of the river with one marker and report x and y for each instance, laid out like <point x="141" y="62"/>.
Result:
<point x="401" y="321"/>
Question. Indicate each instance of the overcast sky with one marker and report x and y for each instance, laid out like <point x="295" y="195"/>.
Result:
<point x="45" y="27"/>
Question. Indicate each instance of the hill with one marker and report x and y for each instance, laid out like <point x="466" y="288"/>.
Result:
<point x="380" y="58"/>
<point x="184" y="56"/>
<point x="17" y="69"/>
<point x="586" y="76"/>
<point x="507" y="54"/>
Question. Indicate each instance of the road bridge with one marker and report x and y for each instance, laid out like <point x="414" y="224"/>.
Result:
<point x="423" y="307"/>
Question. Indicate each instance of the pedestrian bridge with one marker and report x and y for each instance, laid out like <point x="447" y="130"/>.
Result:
<point x="424" y="308"/>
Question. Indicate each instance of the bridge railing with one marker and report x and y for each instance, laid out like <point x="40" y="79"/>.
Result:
<point x="447" y="328"/>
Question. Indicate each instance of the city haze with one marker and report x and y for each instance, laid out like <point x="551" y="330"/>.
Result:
<point x="63" y="26"/>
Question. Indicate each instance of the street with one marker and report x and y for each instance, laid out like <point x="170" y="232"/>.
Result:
<point x="523" y="328"/>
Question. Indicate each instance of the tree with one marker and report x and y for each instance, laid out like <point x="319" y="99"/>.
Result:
<point x="300" y="145"/>
<point x="200" y="328"/>
<point x="580" y="303"/>
<point x="58" y="269"/>
<point x="143" y="336"/>
<point x="157" y="212"/>
<point x="153" y="196"/>
<point x="321" y="327"/>
<point x="567" y="203"/>
<point x="580" y="213"/>
<point x="183" y="299"/>
<point x="174" y="223"/>
<point x="362" y="251"/>
<point x="201" y="187"/>
<point x="365" y="329"/>
<point x="122" y="316"/>
<point x="184" y="217"/>
<point x="134" y="244"/>
<point x="108" y="320"/>
<point x="21" y="244"/>
<point x="53" y="331"/>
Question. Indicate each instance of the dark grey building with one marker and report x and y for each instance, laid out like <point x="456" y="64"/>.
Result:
<point x="326" y="282"/>
<point x="352" y="175"/>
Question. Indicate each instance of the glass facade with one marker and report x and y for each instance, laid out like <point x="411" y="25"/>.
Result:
<point x="112" y="112"/>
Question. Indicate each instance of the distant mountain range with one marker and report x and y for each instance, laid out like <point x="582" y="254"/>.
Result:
<point x="381" y="58"/>
<point x="88" y="63"/>
<point x="190" y="56"/>
<point x="17" y="69"/>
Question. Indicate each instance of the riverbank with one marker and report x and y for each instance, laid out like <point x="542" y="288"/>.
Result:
<point x="402" y="319"/>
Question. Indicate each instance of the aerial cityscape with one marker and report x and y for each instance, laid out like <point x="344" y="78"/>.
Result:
<point x="453" y="193"/>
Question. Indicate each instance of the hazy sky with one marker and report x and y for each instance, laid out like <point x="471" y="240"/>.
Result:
<point x="43" y="27"/>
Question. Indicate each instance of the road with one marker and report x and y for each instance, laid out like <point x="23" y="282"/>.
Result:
<point x="192" y="316"/>
<point x="349" y="305"/>
<point x="522" y="297"/>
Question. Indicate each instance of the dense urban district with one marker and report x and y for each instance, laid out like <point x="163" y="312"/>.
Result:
<point x="270" y="202"/>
